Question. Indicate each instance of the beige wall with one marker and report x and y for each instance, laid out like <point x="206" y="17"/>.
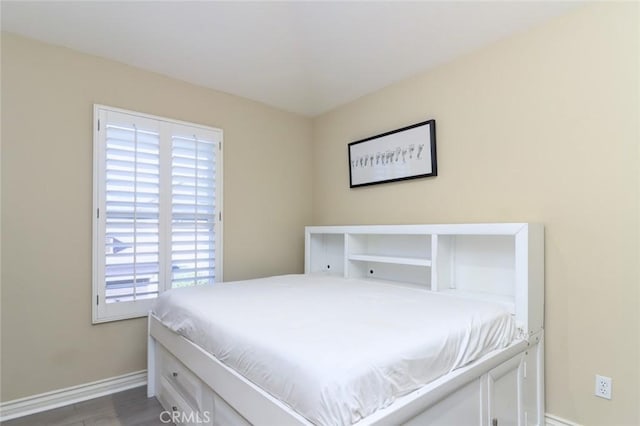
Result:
<point x="542" y="127"/>
<point x="48" y="93"/>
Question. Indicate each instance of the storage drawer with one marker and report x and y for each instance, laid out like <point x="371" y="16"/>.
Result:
<point x="178" y="410"/>
<point x="190" y="387"/>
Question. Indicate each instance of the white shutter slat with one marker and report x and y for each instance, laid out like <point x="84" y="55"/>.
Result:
<point x="129" y="186"/>
<point x="186" y="237"/>
<point x="188" y="212"/>
<point x="184" y="189"/>
<point x="143" y="161"/>
<point x="185" y="254"/>
<point x="131" y="205"/>
<point x="141" y="215"/>
<point x="150" y="256"/>
<point x="125" y="226"/>
<point x="203" y="246"/>
<point x="121" y="129"/>
<point x="131" y="166"/>
<point x="139" y="267"/>
<point x="123" y="248"/>
<point x="128" y="175"/>
<point x="192" y="163"/>
<point x="193" y="182"/>
<point x="117" y="194"/>
<point x="180" y="227"/>
<point x="190" y="160"/>
<point x="184" y="141"/>
<point x="145" y="144"/>
<point x="188" y="172"/>
<point x="201" y="200"/>
<point x="201" y="273"/>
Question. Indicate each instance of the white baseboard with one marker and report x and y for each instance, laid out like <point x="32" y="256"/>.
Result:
<point x="61" y="397"/>
<point x="551" y="420"/>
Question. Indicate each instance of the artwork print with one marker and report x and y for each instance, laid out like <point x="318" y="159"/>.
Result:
<point x="406" y="153"/>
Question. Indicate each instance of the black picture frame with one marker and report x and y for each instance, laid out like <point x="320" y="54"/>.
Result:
<point x="401" y="154"/>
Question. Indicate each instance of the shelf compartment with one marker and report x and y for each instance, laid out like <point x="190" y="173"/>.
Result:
<point x="413" y="261"/>
<point x="325" y="253"/>
<point x="414" y="246"/>
<point x="417" y="275"/>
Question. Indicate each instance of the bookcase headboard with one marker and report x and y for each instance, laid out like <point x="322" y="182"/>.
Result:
<point x="501" y="262"/>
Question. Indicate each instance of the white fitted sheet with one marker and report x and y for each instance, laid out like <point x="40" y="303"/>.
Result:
<point x="335" y="350"/>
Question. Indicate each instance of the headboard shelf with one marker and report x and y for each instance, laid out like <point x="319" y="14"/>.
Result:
<point x="501" y="262"/>
<point x="415" y="261"/>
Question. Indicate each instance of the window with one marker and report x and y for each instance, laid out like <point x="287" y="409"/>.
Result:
<point x="157" y="204"/>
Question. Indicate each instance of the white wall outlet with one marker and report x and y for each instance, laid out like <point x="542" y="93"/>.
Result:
<point x="603" y="386"/>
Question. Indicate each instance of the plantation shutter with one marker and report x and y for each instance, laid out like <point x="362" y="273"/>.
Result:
<point x="132" y="213"/>
<point x="157" y="198"/>
<point x="193" y="208"/>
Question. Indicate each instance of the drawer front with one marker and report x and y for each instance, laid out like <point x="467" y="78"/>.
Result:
<point x="177" y="409"/>
<point x="183" y="380"/>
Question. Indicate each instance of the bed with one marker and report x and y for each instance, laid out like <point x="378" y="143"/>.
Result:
<point x="397" y="324"/>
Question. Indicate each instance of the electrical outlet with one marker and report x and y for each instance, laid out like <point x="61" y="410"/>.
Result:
<point x="603" y="386"/>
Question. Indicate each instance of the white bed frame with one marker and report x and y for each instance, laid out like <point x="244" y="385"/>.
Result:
<point x="499" y="262"/>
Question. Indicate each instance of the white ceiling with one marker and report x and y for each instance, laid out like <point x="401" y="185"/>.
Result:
<point x="305" y="57"/>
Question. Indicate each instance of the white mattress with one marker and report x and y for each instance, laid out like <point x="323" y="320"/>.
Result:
<point x="335" y="350"/>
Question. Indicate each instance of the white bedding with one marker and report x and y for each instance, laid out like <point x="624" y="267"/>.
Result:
<point x="334" y="349"/>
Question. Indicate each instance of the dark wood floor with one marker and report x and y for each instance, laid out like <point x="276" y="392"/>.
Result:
<point x="127" y="408"/>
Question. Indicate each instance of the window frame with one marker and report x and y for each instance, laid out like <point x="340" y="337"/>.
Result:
<point x="106" y="312"/>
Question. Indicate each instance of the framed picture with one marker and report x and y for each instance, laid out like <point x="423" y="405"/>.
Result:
<point x="406" y="153"/>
